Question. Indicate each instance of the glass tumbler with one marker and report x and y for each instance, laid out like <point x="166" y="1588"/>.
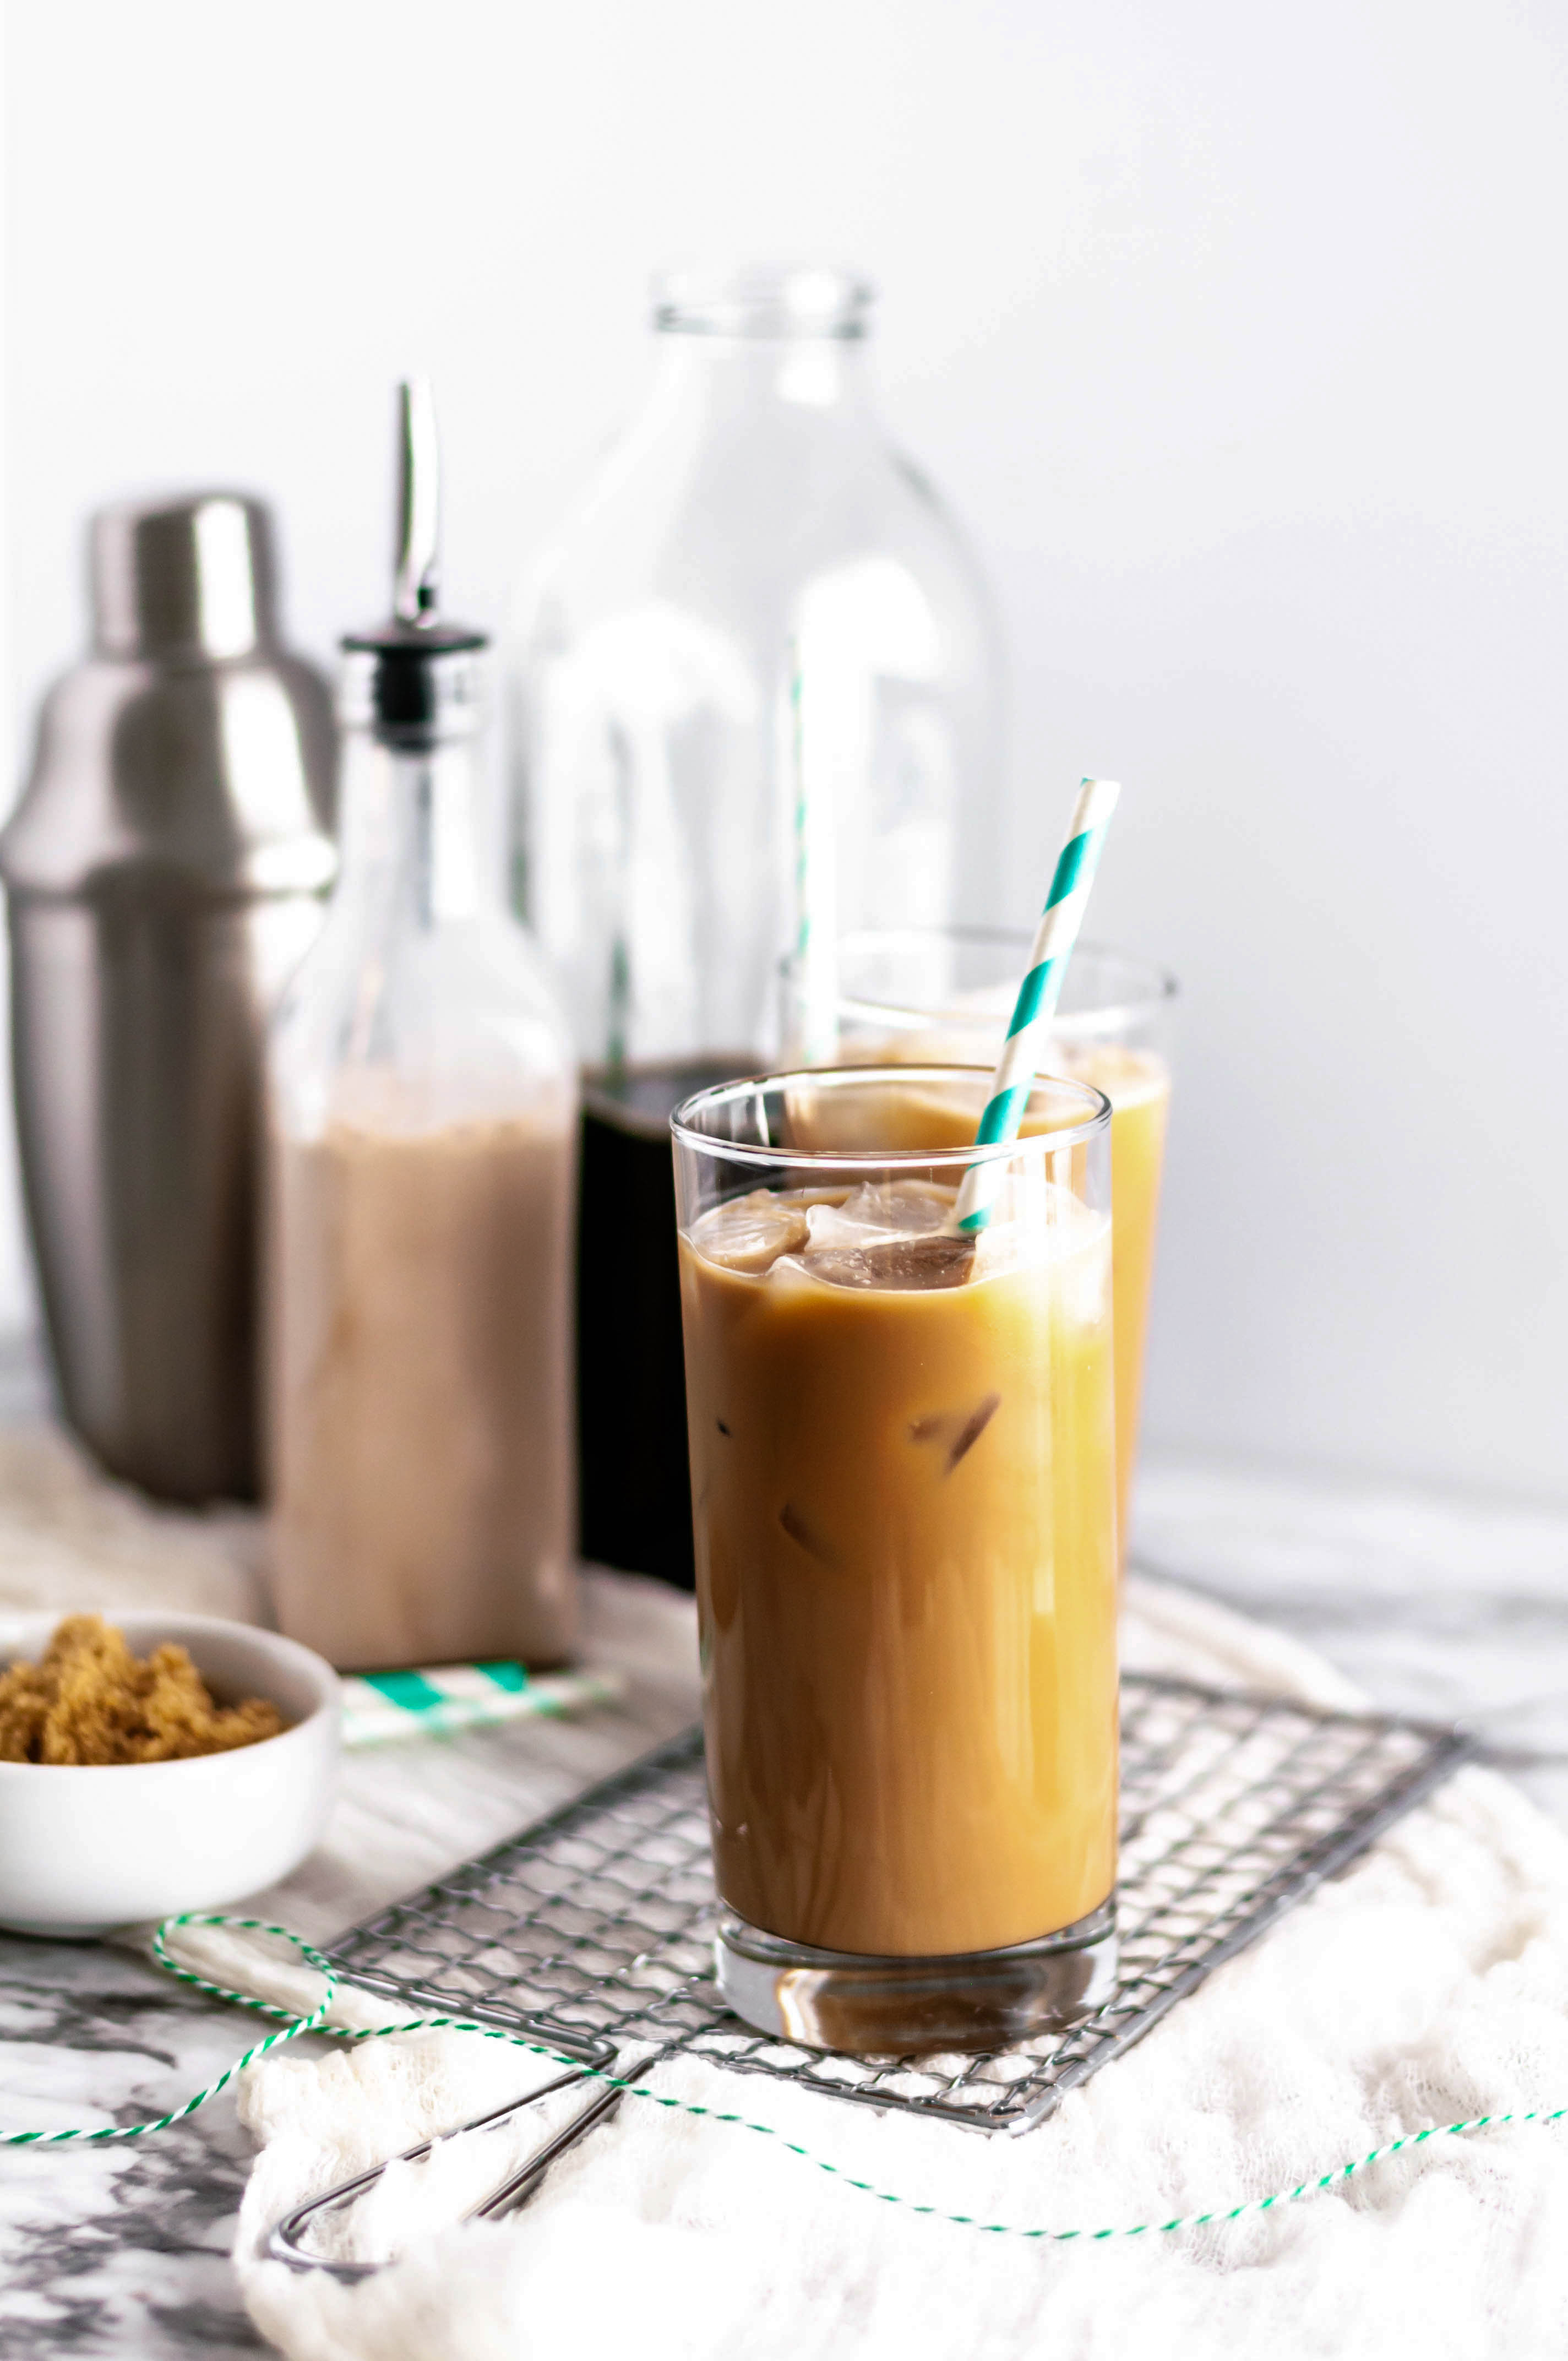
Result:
<point x="946" y="994"/>
<point x="903" y="1484"/>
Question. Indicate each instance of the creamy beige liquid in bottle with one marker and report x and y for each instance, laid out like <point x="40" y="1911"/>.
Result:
<point x="422" y="1463"/>
<point x="421" y="1173"/>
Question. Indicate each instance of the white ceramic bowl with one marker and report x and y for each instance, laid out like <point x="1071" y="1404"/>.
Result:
<point x="90" y="1846"/>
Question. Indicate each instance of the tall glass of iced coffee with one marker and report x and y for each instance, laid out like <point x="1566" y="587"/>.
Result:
<point x="932" y="993"/>
<point x="903" y="1478"/>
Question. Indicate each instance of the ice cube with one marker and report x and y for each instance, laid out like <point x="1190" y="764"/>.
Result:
<point x="887" y="1235"/>
<point x="972" y="1430"/>
<point x="894" y="1261"/>
<point x="750" y="1234"/>
<point x="955" y="1433"/>
<point x="899" y="1208"/>
<point x="807" y="1538"/>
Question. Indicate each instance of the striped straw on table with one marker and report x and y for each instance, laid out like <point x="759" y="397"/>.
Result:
<point x="1037" y="996"/>
<point x="382" y="1706"/>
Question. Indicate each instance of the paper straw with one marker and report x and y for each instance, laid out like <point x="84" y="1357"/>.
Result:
<point x="815" y="1014"/>
<point x="1037" y="996"/>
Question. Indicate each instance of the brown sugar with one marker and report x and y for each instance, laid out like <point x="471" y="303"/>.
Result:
<point x="88" y="1699"/>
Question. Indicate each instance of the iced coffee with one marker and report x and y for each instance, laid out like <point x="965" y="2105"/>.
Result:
<point x="903" y="1473"/>
<point x="944" y="997"/>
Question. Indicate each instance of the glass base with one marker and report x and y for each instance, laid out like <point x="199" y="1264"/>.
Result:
<point x="967" y="2000"/>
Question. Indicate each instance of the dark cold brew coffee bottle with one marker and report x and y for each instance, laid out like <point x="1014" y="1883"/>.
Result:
<point x="753" y="699"/>
<point x="631" y="1406"/>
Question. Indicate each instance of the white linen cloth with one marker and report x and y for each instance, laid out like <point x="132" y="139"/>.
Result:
<point x="1430" y="1983"/>
<point x="73" y="1541"/>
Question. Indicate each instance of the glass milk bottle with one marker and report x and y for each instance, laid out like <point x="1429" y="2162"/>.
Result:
<point x="753" y="701"/>
<point x="421" y="1185"/>
<point x="754" y="683"/>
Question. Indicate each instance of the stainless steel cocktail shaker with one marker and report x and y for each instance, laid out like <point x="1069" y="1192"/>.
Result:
<point x="166" y="868"/>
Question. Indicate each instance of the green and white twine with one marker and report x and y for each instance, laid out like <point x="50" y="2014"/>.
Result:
<point x="1037" y="996"/>
<point x="314" y="2022"/>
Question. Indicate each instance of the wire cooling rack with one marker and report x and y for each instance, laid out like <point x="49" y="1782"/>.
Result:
<point x="593" y="1929"/>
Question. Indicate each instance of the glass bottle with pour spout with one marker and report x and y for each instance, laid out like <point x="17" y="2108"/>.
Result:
<point x="754" y="694"/>
<point x="421" y="1186"/>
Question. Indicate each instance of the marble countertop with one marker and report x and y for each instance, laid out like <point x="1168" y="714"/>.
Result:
<point x="1445" y="1607"/>
<point x="124" y="2250"/>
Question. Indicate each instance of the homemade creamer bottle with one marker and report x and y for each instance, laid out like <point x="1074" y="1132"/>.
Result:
<point x="421" y="1177"/>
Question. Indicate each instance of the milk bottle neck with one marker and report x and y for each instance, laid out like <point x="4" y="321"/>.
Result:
<point x="719" y="377"/>
<point x="785" y="338"/>
<point x="410" y="852"/>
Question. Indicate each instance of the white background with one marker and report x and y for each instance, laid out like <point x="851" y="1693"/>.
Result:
<point x="1234" y="335"/>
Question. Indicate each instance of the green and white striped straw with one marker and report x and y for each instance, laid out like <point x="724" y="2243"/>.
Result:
<point x="815" y="1018"/>
<point x="436" y="1701"/>
<point x="1037" y="996"/>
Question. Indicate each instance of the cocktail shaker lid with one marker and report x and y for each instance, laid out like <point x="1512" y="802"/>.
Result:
<point x="415" y="679"/>
<point x="159" y="766"/>
<point x="192" y="577"/>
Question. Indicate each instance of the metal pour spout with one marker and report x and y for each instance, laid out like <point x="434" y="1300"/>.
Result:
<point x="416" y="560"/>
<point x="414" y="680"/>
